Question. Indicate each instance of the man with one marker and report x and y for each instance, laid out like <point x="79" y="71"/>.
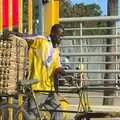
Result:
<point x="44" y="66"/>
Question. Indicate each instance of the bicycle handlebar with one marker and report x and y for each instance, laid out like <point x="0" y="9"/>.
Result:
<point x="27" y="82"/>
<point x="25" y="85"/>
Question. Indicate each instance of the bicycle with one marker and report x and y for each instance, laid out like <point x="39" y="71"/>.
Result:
<point x="25" y="88"/>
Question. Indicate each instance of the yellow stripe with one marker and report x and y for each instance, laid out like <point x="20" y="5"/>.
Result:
<point x="10" y="15"/>
<point x="10" y="110"/>
<point x="20" y="29"/>
<point x="30" y="16"/>
<point x="1" y="16"/>
<point x="20" y="103"/>
<point x="51" y="15"/>
<point x="20" y="16"/>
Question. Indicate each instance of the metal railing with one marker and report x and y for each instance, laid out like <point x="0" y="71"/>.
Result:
<point x="97" y="18"/>
<point x="91" y="50"/>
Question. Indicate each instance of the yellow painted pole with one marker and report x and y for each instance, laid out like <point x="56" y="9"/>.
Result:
<point x="10" y="109"/>
<point x="56" y="11"/>
<point x="30" y="17"/>
<point x="51" y="15"/>
<point x="1" y="16"/>
<point x="20" y="16"/>
<point x="10" y="27"/>
<point x="10" y="15"/>
<point x="20" y="103"/>
<point x="20" y="29"/>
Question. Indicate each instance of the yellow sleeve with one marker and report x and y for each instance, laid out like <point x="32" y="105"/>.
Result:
<point x="31" y="53"/>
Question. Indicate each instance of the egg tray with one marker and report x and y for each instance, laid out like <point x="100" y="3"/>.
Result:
<point x="13" y="60"/>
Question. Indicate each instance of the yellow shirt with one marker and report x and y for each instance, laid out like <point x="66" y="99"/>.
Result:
<point x="43" y="61"/>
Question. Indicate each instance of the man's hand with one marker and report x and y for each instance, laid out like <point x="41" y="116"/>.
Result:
<point x="60" y="71"/>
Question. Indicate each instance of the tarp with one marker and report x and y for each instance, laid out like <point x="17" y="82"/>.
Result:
<point x="14" y="12"/>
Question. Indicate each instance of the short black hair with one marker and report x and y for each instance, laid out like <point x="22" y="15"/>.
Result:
<point x="56" y="27"/>
<point x="45" y="1"/>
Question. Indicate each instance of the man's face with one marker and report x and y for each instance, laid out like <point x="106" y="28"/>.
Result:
<point x="57" y="36"/>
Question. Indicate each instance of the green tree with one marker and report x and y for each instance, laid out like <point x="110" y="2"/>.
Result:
<point x="82" y="10"/>
<point x="79" y="10"/>
<point x="65" y="9"/>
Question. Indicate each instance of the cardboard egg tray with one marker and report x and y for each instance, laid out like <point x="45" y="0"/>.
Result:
<point x="13" y="59"/>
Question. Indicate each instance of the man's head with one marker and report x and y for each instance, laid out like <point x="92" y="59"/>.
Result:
<point x="56" y="34"/>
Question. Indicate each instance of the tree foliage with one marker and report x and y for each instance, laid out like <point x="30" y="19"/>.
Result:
<point x="82" y="10"/>
<point x="79" y="10"/>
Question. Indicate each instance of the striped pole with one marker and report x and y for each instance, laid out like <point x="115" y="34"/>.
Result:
<point x="20" y="16"/>
<point x="10" y="27"/>
<point x="10" y="109"/>
<point x="30" y="17"/>
<point x="20" y="103"/>
<point x="1" y="16"/>
<point x="10" y="15"/>
<point x="20" y="29"/>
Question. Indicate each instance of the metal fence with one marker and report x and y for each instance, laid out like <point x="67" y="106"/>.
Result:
<point x="92" y="53"/>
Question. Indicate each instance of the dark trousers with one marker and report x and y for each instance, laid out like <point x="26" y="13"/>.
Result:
<point x="48" y="102"/>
